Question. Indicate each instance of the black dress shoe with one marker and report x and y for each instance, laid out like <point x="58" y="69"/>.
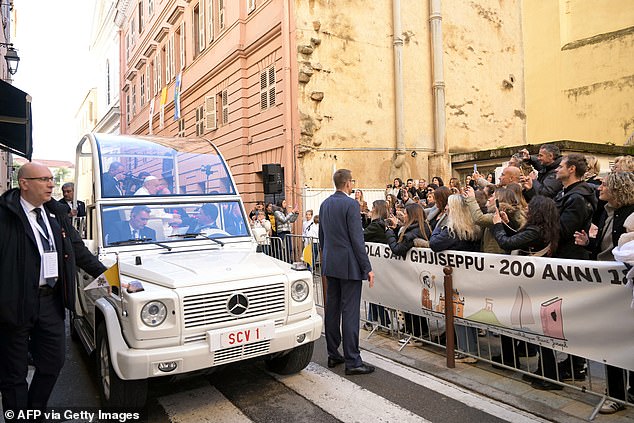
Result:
<point x="546" y="386"/>
<point x="335" y="361"/>
<point x="363" y="369"/>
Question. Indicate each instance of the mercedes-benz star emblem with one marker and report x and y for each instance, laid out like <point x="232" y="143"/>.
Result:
<point x="237" y="304"/>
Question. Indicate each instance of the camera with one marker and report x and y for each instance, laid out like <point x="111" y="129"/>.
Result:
<point x="130" y="181"/>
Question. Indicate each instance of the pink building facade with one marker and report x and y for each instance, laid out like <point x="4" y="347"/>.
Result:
<point x="235" y="63"/>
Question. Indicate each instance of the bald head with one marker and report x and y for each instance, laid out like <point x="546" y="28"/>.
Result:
<point x="510" y="175"/>
<point x="36" y="183"/>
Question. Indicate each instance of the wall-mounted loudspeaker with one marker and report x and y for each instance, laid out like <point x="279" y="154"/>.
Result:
<point x="273" y="178"/>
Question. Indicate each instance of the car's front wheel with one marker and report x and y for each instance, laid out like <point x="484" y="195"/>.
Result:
<point x="116" y="392"/>
<point x="292" y="362"/>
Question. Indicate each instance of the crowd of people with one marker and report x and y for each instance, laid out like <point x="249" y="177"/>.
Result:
<point x="548" y="204"/>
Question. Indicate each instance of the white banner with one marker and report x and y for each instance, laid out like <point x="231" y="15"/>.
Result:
<point x="574" y="306"/>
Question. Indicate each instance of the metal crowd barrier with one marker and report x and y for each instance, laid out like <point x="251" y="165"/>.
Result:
<point x="483" y="343"/>
<point x="478" y="341"/>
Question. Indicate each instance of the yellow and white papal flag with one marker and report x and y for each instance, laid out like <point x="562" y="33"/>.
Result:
<point x="109" y="278"/>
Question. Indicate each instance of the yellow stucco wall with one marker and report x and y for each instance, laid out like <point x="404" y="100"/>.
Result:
<point x="484" y="74"/>
<point x="346" y="53"/>
<point x="357" y="113"/>
<point x="579" y="70"/>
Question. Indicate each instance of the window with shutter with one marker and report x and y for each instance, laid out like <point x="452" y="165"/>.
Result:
<point x="200" y="121"/>
<point x="201" y="26"/>
<point x="165" y="56"/>
<point x="267" y="88"/>
<point x="210" y="113"/>
<point x="159" y="73"/>
<point x="133" y="100"/>
<point x="127" y="109"/>
<point x="221" y="14"/>
<point x="225" y="108"/>
<point x="172" y="58"/>
<point x="210" y="20"/>
<point x="141" y="19"/>
<point x="148" y="78"/>
<point x="272" y="86"/>
<point x="156" y="77"/>
<point x="181" y="127"/>
<point x="182" y="46"/>
<point x="196" y="30"/>
<point x="142" y="89"/>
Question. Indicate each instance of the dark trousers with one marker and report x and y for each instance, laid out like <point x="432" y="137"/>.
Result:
<point x="48" y="346"/>
<point x="343" y="300"/>
<point x="617" y="381"/>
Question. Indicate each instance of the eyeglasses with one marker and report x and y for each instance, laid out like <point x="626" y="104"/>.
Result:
<point x="41" y="179"/>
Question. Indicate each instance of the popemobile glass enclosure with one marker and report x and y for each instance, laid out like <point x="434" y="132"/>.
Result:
<point x="155" y="190"/>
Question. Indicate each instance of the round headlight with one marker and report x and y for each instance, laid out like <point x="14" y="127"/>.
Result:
<point x="299" y="290"/>
<point x="153" y="313"/>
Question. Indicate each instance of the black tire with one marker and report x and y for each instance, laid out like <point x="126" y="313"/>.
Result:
<point x="114" y="391"/>
<point x="292" y="362"/>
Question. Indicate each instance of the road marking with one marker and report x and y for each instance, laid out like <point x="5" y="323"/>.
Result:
<point x="469" y="398"/>
<point x="335" y="394"/>
<point x="200" y="405"/>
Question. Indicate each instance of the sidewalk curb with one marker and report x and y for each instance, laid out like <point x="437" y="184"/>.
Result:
<point x="474" y="378"/>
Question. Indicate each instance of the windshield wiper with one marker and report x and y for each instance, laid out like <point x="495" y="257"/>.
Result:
<point x="140" y="241"/>
<point x="190" y="235"/>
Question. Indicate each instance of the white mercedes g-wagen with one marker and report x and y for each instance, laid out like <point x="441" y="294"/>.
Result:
<point x="194" y="292"/>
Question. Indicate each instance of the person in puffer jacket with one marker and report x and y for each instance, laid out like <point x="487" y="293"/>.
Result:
<point x="576" y="203"/>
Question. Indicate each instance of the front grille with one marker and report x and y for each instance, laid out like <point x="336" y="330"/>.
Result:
<point x="240" y="352"/>
<point x="211" y="308"/>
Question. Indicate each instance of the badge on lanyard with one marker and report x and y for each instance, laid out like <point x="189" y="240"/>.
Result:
<point x="49" y="260"/>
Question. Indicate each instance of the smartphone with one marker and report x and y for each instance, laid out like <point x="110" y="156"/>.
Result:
<point x="475" y="168"/>
<point x="497" y="204"/>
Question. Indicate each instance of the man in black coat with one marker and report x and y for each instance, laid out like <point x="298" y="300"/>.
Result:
<point x="111" y="180"/>
<point x="546" y="163"/>
<point x="38" y="252"/>
<point x="68" y="192"/>
<point x="576" y="204"/>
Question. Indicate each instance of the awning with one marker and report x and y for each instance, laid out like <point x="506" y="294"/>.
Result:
<point x="15" y="121"/>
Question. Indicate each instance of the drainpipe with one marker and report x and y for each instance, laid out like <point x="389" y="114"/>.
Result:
<point x="435" y="20"/>
<point x="398" y="84"/>
<point x="291" y="119"/>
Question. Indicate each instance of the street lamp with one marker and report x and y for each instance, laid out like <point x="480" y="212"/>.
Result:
<point x="12" y="58"/>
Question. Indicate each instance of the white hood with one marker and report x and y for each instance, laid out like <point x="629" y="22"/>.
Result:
<point x="191" y="268"/>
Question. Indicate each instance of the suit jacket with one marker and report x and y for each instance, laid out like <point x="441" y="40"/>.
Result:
<point x="20" y="259"/>
<point x="110" y="186"/>
<point x="341" y="239"/>
<point x="120" y="231"/>
<point x="81" y="207"/>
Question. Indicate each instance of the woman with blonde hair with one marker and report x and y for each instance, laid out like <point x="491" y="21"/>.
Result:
<point x="460" y="233"/>
<point x="623" y="164"/>
<point x="363" y="205"/>
<point x="592" y="174"/>
<point x="521" y="201"/>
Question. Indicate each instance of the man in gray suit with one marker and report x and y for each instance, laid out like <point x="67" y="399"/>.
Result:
<point x="344" y="264"/>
